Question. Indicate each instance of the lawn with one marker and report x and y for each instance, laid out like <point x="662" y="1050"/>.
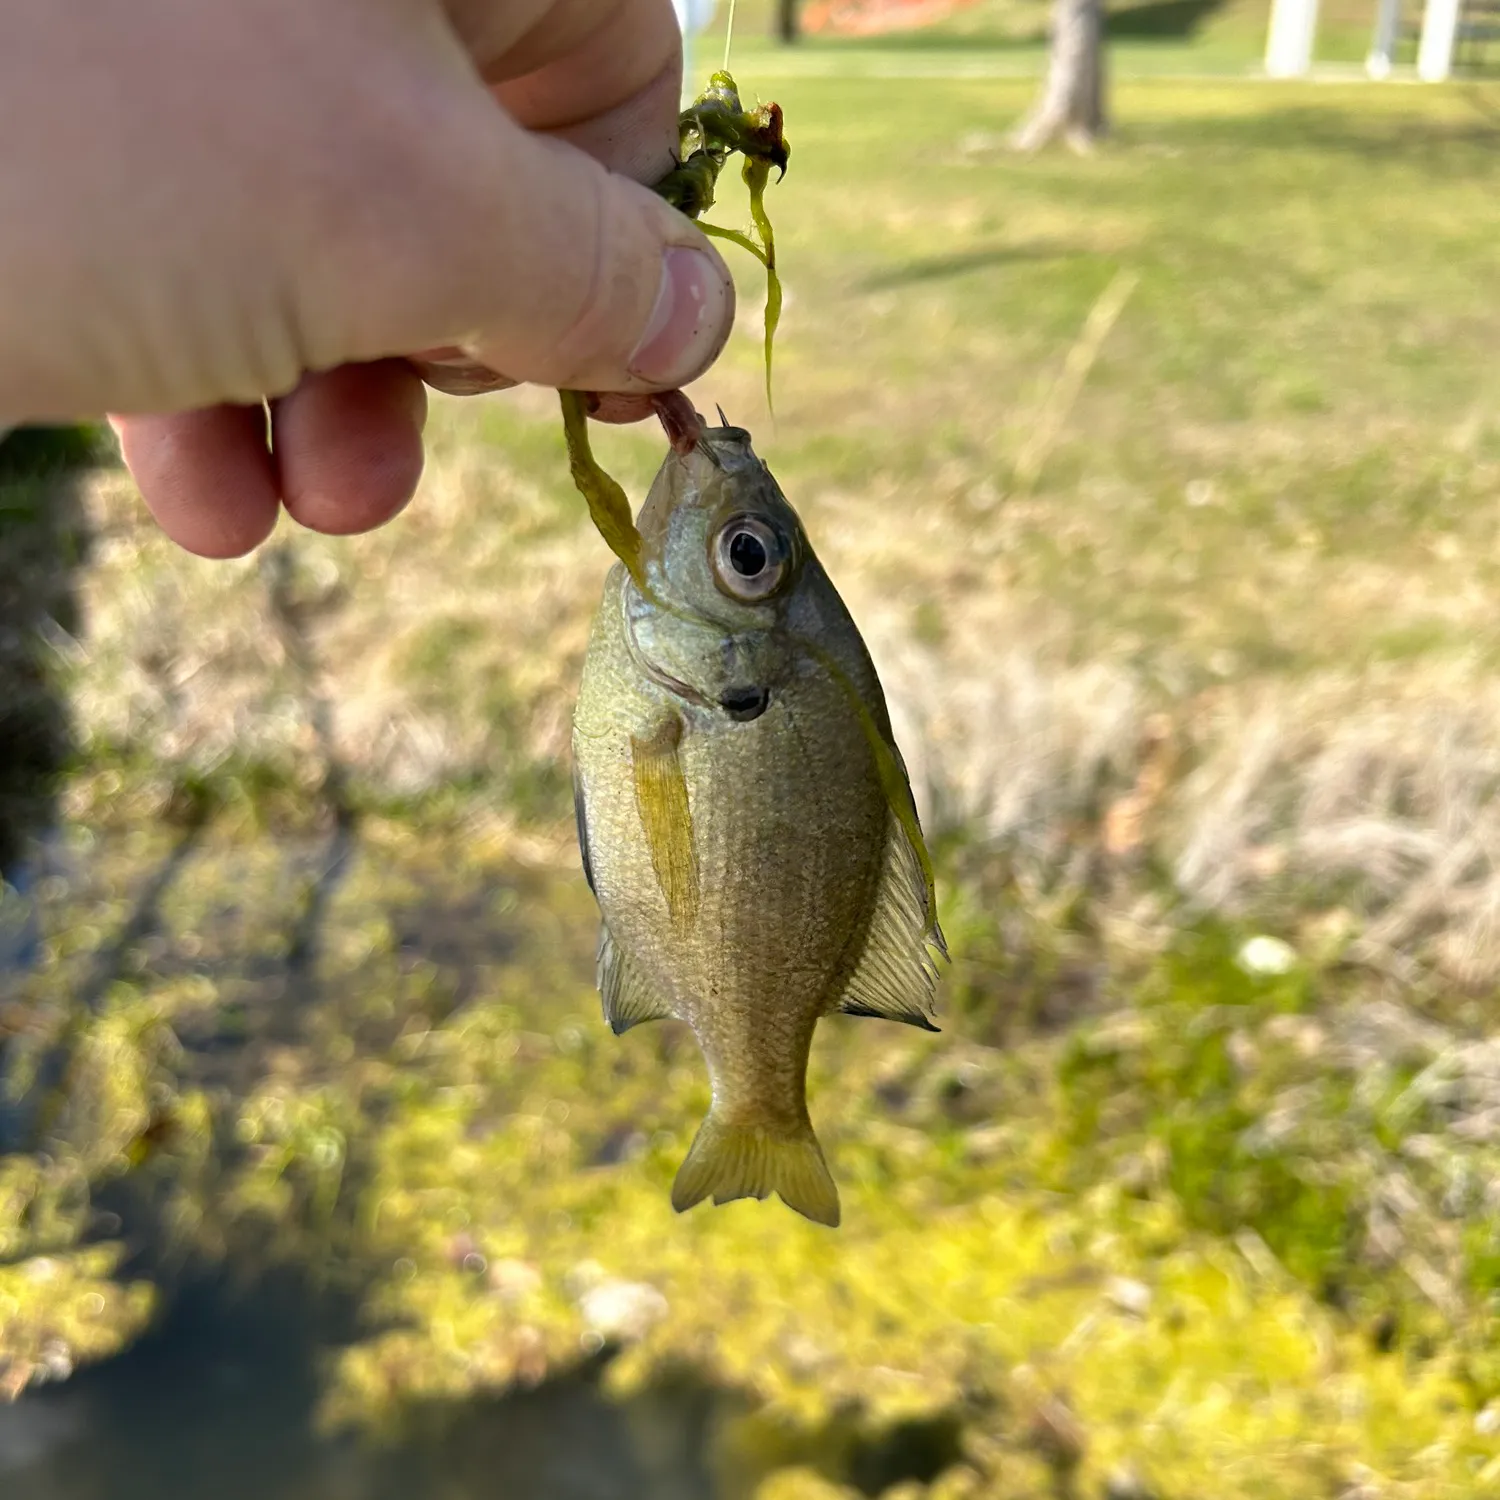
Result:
<point x="1163" y="483"/>
<point x="1148" y="37"/>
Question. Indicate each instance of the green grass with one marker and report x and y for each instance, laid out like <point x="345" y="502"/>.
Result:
<point x="1308" y="334"/>
<point x="1148" y="36"/>
<point x="1203" y="651"/>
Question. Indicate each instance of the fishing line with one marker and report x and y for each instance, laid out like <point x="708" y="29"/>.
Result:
<point x="728" y="35"/>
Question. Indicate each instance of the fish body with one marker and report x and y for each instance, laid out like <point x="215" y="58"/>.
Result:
<point x="744" y="816"/>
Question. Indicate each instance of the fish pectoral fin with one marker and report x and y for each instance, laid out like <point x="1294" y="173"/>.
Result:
<point x="628" y="997"/>
<point x="750" y="1161"/>
<point x="661" y="799"/>
<point x="895" y="975"/>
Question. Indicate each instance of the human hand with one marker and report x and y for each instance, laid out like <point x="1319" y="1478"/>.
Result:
<point x="218" y="204"/>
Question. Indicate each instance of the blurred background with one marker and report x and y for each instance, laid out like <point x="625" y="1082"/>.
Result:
<point x="1161" y="474"/>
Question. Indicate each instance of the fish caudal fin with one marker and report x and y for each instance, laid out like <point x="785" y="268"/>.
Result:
<point x="747" y="1161"/>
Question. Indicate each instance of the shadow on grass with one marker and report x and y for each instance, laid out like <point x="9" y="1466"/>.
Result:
<point x="1166" y="20"/>
<point x="220" y="1402"/>
<point x="42" y="543"/>
<point x="960" y="263"/>
<point x="1387" y="137"/>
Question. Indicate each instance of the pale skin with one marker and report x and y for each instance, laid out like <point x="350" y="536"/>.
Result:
<point x="212" y="212"/>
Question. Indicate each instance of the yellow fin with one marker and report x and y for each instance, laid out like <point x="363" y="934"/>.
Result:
<point x="746" y="1161"/>
<point x="627" y="995"/>
<point x="894" y="782"/>
<point x="661" y="797"/>
<point x="895" y="976"/>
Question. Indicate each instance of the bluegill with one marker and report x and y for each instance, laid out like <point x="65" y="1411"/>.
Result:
<point x="745" y="818"/>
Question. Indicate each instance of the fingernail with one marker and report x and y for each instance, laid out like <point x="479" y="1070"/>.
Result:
<point x="690" y="322"/>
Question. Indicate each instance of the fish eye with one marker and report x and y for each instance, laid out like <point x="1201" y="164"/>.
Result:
<point x="747" y="554"/>
<point x="750" y="558"/>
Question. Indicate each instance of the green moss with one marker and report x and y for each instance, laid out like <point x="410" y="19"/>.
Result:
<point x="58" y="1312"/>
<point x="1119" y="1220"/>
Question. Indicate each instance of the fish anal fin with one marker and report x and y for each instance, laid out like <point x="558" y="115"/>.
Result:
<point x="628" y="997"/>
<point x="895" y="975"/>
<point x="661" y="799"/>
<point x="750" y="1161"/>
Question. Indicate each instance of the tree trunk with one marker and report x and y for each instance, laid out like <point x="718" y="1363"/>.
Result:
<point x="786" y="20"/>
<point x="1072" y="102"/>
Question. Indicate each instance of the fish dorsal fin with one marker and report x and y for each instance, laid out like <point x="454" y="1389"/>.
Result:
<point x="895" y="975"/>
<point x="628" y="996"/>
<point x="895" y="783"/>
<point x="661" y="798"/>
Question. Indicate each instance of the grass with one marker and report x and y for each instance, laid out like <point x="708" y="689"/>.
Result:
<point x="1194" y="646"/>
<point x="1148" y="37"/>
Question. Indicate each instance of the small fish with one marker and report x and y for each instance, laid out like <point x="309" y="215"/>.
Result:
<point x="745" y="818"/>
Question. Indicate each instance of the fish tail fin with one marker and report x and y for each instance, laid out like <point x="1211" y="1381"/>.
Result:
<point x="750" y="1161"/>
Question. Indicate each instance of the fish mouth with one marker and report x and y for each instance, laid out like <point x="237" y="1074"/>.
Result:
<point x="743" y="704"/>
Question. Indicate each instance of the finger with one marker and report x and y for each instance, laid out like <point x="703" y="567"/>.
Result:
<point x="451" y="371"/>
<point x="206" y="475"/>
<point x="622" y="292"/>
<point x="612" y="89"/>
<point x="348" y="446"/>
<point x="528" y="255"/>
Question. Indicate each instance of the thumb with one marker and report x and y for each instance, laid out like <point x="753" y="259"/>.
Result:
<point x="536" y="261"/>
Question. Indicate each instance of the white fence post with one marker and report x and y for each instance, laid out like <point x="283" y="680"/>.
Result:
<point x="1439" y="34"/>
<point x="1289" y="45"/>
<point x="1383" y="43"/>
